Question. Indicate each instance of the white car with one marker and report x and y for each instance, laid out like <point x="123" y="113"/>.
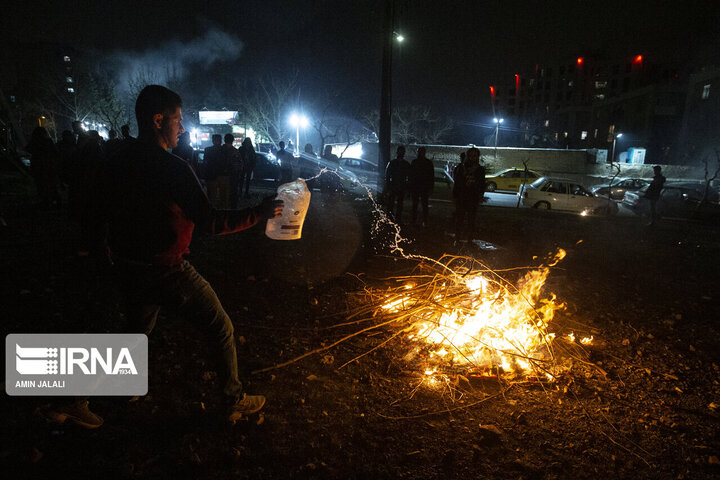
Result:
<point x="366" y="171"/>
<point x="563" y="194"/>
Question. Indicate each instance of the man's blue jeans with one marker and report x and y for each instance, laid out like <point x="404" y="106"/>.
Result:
<point x="179" y="288"/>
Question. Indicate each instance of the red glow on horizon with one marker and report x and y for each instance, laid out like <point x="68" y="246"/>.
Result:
<point x="580" y="61"/>
<point x="638" y="59"/>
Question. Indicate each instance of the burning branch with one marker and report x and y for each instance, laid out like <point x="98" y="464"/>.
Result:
<point x="460" y="314"/>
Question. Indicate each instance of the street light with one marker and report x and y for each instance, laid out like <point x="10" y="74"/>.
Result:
<point x="298" y="121"/>
<point x="615" y="137"/>
<point x="497" y="122"/>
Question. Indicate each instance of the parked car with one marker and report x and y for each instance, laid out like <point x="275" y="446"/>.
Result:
<point x="563" y="194"/>
<point x="365" y="170"/>
<point x="619" y="187"/>
<point x="679" y="200"/>
<point x="311" y="165"/>
<point x="510" y="179"/>
<point x="267" y="167"/>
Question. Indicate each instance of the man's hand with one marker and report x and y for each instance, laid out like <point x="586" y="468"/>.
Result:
<point x="271" y="208"/>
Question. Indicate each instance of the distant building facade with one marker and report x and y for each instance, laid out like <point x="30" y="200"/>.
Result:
<point x="585" y="102"/>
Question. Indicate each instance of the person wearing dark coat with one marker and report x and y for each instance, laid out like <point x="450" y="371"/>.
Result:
<point x="396" y="183"/>
<point x="468" y="192"/>
<point x="422" y="180"/>
<point x="67" y="149"/>
<point x="44" y="167"/>
<point x="653" y="192"/>
<point x="217" y="173"/>
<point x="247" y="153"/>
<point x="186" y="151"/>
<point x="151" y="204"/>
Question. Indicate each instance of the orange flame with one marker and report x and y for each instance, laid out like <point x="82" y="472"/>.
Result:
<point x="480" y="323"/>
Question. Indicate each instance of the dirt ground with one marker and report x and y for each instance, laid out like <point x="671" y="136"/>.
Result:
<point x="643" y="403"/>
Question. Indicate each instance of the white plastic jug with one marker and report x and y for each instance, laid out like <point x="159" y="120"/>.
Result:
<point x="296" y="198"/>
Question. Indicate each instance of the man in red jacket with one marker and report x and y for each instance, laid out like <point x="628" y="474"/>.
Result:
<point x="153" y="203"/>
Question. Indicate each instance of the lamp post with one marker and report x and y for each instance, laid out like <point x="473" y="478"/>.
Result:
<point x="615" y="137"/>
<point x="385" y="129"/>
<point x="497" y="122"/>
<point x="298" y="121"/>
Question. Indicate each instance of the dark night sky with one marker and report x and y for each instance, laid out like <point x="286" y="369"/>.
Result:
<point x="454" y="49"/>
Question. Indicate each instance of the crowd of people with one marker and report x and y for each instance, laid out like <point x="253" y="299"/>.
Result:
<point x="418" y="177"/>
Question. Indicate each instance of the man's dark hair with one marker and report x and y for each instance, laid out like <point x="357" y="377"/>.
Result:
<point x="281" y="144"/>
<point x="152" y="100"/>
<point x="229" y="138"/>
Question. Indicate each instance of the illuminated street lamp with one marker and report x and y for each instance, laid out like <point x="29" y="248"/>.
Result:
<point x="497" y="122"/>
<point x="298" y="121"/>
<point x="615" y="137"/>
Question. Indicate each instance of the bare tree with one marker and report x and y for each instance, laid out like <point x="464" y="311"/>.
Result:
<point x="265" y="103"/>
<point x="336" y="123"/>
<point x="414" y="124"/>
<point x="106" y="101"/>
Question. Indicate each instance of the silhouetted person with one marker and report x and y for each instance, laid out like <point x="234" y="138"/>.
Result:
<point x="247" y="153"/>
<point x="186" y="151"/>
<point x="153" y="203"/>
<point x="396" y="183"/>
<point x="286" y="160"/>
<point x="233" y="157"/>
<point x="44" y="167"/>
<point x="653" y="192"/>
<point x="217" y="173"/>
<point x="67" y="149"/>
<point x="330" y="181"/>
<point x="113" y="143"/>
<point x="422" y="179"/>
<point x="125" y="131"/>
<point x="468" y="192"/>
<point x="81" y="136"/>
<point x="309" y="149"/>
<point x="90" y="158"/>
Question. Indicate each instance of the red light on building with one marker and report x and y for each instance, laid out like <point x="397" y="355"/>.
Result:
<point x="517" y="81"/>
<point x="580" y="61"/>
<point x="492" y="92"/>
<point x="637" y="59"/>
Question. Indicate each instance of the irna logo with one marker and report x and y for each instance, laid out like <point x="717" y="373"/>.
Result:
<point x="68" y="361"/>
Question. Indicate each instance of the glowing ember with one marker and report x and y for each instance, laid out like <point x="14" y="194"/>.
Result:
<point x="481" y="323"/>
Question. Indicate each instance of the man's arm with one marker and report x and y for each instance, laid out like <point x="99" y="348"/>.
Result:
<point x="195" y="204"/>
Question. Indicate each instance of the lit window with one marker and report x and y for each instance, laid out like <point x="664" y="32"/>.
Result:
<point x="66" y="58"/>
<point x="596" y="130"/>
<point x="547" y="123"/>
<point x="71" y="90"/>
<point x="68" y="79"/>
<point x="583" y="134"/>
<point x="706" y="92"/>
<point x="601" y="84"/>
<point x="565" y="134"/>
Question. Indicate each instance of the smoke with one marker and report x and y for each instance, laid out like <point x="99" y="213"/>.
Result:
<point x="173" y="60"/>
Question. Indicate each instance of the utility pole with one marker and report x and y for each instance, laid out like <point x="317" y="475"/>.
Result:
<point x="386" y="95"/>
